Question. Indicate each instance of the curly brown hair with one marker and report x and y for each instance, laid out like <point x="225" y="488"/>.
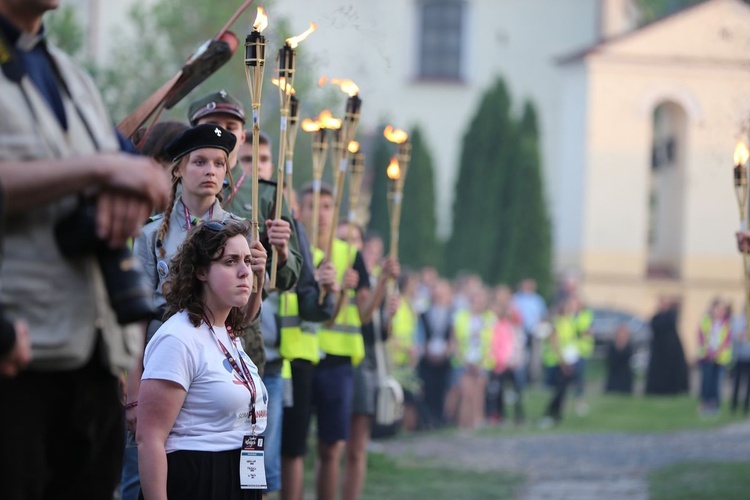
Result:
<point x="203" y="246"/>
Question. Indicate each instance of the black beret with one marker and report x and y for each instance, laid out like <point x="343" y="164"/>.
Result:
<point x="198" y="137"/>
<point x="217" y="103"/>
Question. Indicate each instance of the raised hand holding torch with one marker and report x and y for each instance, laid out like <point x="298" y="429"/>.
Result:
<point x="396" y="173"/>
<point x="255" y="59"/>
<point x="285" y="82"/>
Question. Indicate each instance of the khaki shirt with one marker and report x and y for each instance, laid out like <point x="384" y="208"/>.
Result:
<point x="286" y="276"/>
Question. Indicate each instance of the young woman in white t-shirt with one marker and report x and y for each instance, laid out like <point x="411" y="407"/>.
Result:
<point x="200" y="394"/>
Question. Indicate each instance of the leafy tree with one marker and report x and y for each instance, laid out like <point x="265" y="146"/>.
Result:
<point x="65" y="30"/>
<point x="479" y="207"/>
<point x="501" y="227"/>
<point x="418" y="243"/>
<point x="651" y="10"/>
<point x="529" y="239"/>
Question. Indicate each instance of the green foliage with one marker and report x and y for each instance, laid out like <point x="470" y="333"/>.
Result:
<point x="700" y="480"/>
<point x="479" y="207"/>
<point x="529" y="237"/>
<point x="418" y="243"/>
<point x="501" y="227"/>
<point x="652" y="10"/>
<point x="65" y="30"/>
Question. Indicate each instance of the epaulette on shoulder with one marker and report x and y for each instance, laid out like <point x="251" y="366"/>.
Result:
<point x="155" y="218"/>
<point x="232" y="216"/>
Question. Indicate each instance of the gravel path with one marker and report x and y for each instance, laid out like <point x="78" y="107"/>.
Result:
<point x="581" y="466"/>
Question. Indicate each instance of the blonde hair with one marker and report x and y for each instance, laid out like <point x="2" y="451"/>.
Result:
<point x="176" y="166"/>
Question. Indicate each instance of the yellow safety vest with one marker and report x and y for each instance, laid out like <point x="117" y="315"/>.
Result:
<point x="725" y="355"/>
<point x="586" y="343"/>
<point x="344" y="337"/>
<point x="404" y="328"/>
<point x="297" y="343"/>
<point x="462" y="329"/>
<point x="567" y="334"/>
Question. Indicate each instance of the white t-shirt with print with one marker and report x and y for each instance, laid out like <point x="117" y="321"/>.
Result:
<point x="216" y="412"/>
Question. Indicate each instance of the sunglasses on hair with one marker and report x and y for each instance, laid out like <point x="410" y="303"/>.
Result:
<point x="216" y="225"/>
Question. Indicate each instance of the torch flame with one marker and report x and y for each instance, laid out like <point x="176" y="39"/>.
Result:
<point x="322" y="80"/>
<point x="393" y="171"/>
<point x="281" y="82"/>
<point x="261" y="20"/>
<point x="353" y="147"/>
<point x="346" y="86"/>
<point x="295" y="40"/>
<point x="395" y="135"/>
<point x="310" y="126"/>
<point x="741" y="154"/>
<point x="326" y="120"/>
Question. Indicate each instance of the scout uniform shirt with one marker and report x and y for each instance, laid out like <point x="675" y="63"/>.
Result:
<point x="239" y="201"/>
<point x="147" y="247"/>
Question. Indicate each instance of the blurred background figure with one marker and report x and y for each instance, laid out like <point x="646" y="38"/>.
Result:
<point x="473" y="330"/>
<point x="714" y="354"/>
<point x="741" y="355"/>
<point x="532" y="308"/>
<point x="619" y="354"/>
<point x="508" y="349"/>
<point x="584" y="318"/>
<point x="437" y="341"/>
<point x="428" y="278"/>
<point x="667" y="369"/>
<point x="154" y="145"/>
<point x="561" y="356"/>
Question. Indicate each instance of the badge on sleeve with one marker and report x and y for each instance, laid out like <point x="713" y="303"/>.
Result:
<point x="163" y="269"/>
<point x="252" y="467"/>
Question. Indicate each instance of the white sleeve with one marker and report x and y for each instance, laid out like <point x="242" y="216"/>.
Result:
<point x="168" y="358"/>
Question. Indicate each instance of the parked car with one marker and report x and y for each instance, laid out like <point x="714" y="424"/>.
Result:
<point x="605" y="324"/>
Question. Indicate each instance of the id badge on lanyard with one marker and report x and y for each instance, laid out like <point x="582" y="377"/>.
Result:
<point x="252" y="463"/>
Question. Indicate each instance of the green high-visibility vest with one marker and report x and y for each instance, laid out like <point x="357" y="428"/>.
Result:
<point x="344" y="337"/>
<point x="296" y="342"/>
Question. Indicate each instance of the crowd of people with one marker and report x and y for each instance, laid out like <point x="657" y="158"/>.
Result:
<point x="221" y="401"/>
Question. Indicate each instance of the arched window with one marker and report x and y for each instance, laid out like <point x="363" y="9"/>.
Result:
<point x="666" y="198"/>
<point x="441" y="39"/>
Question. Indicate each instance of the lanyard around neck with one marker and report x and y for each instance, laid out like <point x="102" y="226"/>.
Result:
<point x="187" y="215"/>
<point x="243" y="372"/>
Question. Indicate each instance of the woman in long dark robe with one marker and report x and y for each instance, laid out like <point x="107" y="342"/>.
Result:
<point x="667" y="368"/>
<point x="619" y="373"/>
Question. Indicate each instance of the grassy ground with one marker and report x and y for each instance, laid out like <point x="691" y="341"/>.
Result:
<point x="615" y="413"/>
<point x="701" y="480"/>
<point x="405" y="478"/>
<point x="408" y="479"/>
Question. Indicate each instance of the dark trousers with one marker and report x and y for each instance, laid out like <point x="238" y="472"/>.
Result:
<point x="508" y="383"/>
<point x="62" y="434"/>
<point x="562" y="382"/>
<point x="711" y="377"/>
<point x="741" y="372"/>
<point x="435" y="379"/>
<point x="205" y="475"/>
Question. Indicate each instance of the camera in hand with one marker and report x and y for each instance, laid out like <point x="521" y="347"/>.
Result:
<point x="123" y="276"/>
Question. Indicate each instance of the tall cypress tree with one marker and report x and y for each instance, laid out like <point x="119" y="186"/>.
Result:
<point x="529" y="237"/>
<point x="377" y="164"/>
<point x="479" y="208"/>
<point x="418" y="243"/>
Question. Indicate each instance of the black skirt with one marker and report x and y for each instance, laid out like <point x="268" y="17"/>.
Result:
<point x="206" y="475"/>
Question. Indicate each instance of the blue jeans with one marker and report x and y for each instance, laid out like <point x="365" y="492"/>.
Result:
<point x="130" y="484"/>
<point x="275" y="387"/>
<point x="711" y="377"/>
